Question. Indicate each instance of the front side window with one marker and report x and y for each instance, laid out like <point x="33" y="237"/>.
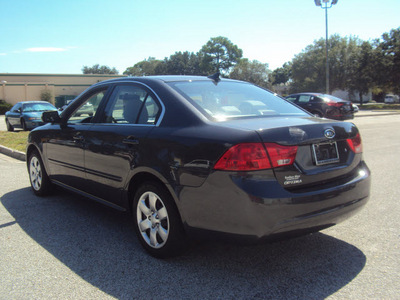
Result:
<point x="291" y="98"/>
<point x="16" y="107"/>
<point x="233" y="99"/>
<point x="87" y="110"/>
<point x="130" y="104"/>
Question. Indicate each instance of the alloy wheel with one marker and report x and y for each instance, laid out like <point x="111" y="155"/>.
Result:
<point x="35" y="173"/>
<point x="153" y="220"/>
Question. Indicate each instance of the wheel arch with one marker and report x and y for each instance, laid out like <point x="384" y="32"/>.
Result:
<point x="144" y="176"/>
<point x="30" y="149"/>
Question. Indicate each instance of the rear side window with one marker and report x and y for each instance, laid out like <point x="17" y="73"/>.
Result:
<point x="233" y="99"/>
<point x="130" y="104"/>
<point x="304" y="98"/>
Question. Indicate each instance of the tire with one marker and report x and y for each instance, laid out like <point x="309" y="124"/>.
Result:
<point x="38" y="177"/>
<point x="9" y="126"/>
<point x="157" y="221"/>
<point x="23" y="125"/>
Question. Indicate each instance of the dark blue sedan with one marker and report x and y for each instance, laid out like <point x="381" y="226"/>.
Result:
<point x="191" y="156"/>
<point x="27" y="115"/>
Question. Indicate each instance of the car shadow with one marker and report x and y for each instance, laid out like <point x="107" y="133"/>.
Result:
<point x="99" y="245"/>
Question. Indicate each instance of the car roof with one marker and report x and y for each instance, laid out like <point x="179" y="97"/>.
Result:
<point x="313" y="94"/>
<point x="164" y="78"/>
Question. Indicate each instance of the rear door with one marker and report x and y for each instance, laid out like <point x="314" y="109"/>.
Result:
<point x="117" y="144"/>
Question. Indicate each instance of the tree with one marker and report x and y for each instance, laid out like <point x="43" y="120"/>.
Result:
<point x="308" y="67"/>
<point x="388" y="54"/>
<point x="251" y="71"/>
<point x="147" y="67"/>
<point x="219" y="54"/>
<point x="360" y="70"/>
<point x="183" y="63"/>
<point x="282" y="74"/>
<point x="97" y="69"/>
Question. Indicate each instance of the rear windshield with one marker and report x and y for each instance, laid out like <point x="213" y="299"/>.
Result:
<point x="229" y="99"/>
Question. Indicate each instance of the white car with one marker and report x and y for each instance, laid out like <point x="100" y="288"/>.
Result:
<point x="391" y="99"/>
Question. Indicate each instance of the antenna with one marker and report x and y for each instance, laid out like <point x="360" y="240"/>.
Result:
<point x="215" y="77"/>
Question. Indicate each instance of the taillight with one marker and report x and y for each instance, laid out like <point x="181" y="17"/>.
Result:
<point x="244" y="157"/>
<point x="281" y="155"/>
<point x="355" y="143"/>
<point x="253" y="156"/>
<point x="335" y="104"/>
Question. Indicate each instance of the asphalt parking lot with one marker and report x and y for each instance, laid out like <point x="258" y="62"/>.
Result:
<point x="66" y="247"/>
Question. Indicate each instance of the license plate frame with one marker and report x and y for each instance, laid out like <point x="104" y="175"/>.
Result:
<point x="325" y="153"/>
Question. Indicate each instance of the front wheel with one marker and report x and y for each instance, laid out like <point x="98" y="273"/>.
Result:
<point x="157" y="222"/>
<point x="40" y="182"/>
<point x="9" y="126"/>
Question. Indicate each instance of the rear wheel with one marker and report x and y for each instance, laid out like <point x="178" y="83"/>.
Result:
<point x="40" y="182"/>
<point x="9" y="126"/>
<point x="157" y="222"/>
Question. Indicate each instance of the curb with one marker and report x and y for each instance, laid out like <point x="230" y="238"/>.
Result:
<point x="375" y="113"/>
<point x="13" y="153"/>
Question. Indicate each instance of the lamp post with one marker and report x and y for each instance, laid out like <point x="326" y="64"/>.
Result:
<point x="327" y="4"/>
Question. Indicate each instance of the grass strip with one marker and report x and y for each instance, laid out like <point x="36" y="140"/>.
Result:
<point x="14" y="140"/>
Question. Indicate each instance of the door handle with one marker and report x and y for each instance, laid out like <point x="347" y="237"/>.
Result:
<point x="78" y="138"/>
<point x="130" y="141"/>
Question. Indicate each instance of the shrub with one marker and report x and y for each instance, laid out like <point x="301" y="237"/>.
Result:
<point x="4" y="106"/>
<point x="46" y="95"/>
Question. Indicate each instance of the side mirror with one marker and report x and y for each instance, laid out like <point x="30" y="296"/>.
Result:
<point x="51" y="117"/>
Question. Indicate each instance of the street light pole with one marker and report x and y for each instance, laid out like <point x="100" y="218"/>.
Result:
<point x="330" y="3"/>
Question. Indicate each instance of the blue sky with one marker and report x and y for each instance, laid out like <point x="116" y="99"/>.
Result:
<point x="57" y="36"/>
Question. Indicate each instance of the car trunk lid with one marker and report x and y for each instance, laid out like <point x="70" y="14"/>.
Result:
<point x="323" y="151"/>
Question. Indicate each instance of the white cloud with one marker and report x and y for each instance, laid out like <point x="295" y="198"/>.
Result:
<point x="46" y="49"/>
<point x="2" y="54"/>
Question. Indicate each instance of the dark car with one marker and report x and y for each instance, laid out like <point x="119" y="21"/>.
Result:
<point x="324" y="106"/>
<point x="27" y="114"/>
<point x="189" y="156"/>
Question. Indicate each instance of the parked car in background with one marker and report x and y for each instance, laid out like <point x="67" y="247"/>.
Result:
<point x="323" y="105"/>
<point x="391" y="99"/>
<point x="189" y="155"/>
<point x="27" y="114"/>
<point x="87" y="109"/>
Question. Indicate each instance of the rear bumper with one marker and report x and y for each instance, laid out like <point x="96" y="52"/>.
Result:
<point x="255" y="206"/>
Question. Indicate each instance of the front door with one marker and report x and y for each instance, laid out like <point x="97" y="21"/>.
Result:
<point x="65" y="146"/>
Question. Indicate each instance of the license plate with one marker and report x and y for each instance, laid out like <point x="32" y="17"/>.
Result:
<point x="326" y="153"/>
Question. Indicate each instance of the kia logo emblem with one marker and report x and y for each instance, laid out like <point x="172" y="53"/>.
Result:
<point x="329" y="133"/>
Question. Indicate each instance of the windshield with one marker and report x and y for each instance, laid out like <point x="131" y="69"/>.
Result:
<point x="230" y="99"/>
<point x="38" y="107"/>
